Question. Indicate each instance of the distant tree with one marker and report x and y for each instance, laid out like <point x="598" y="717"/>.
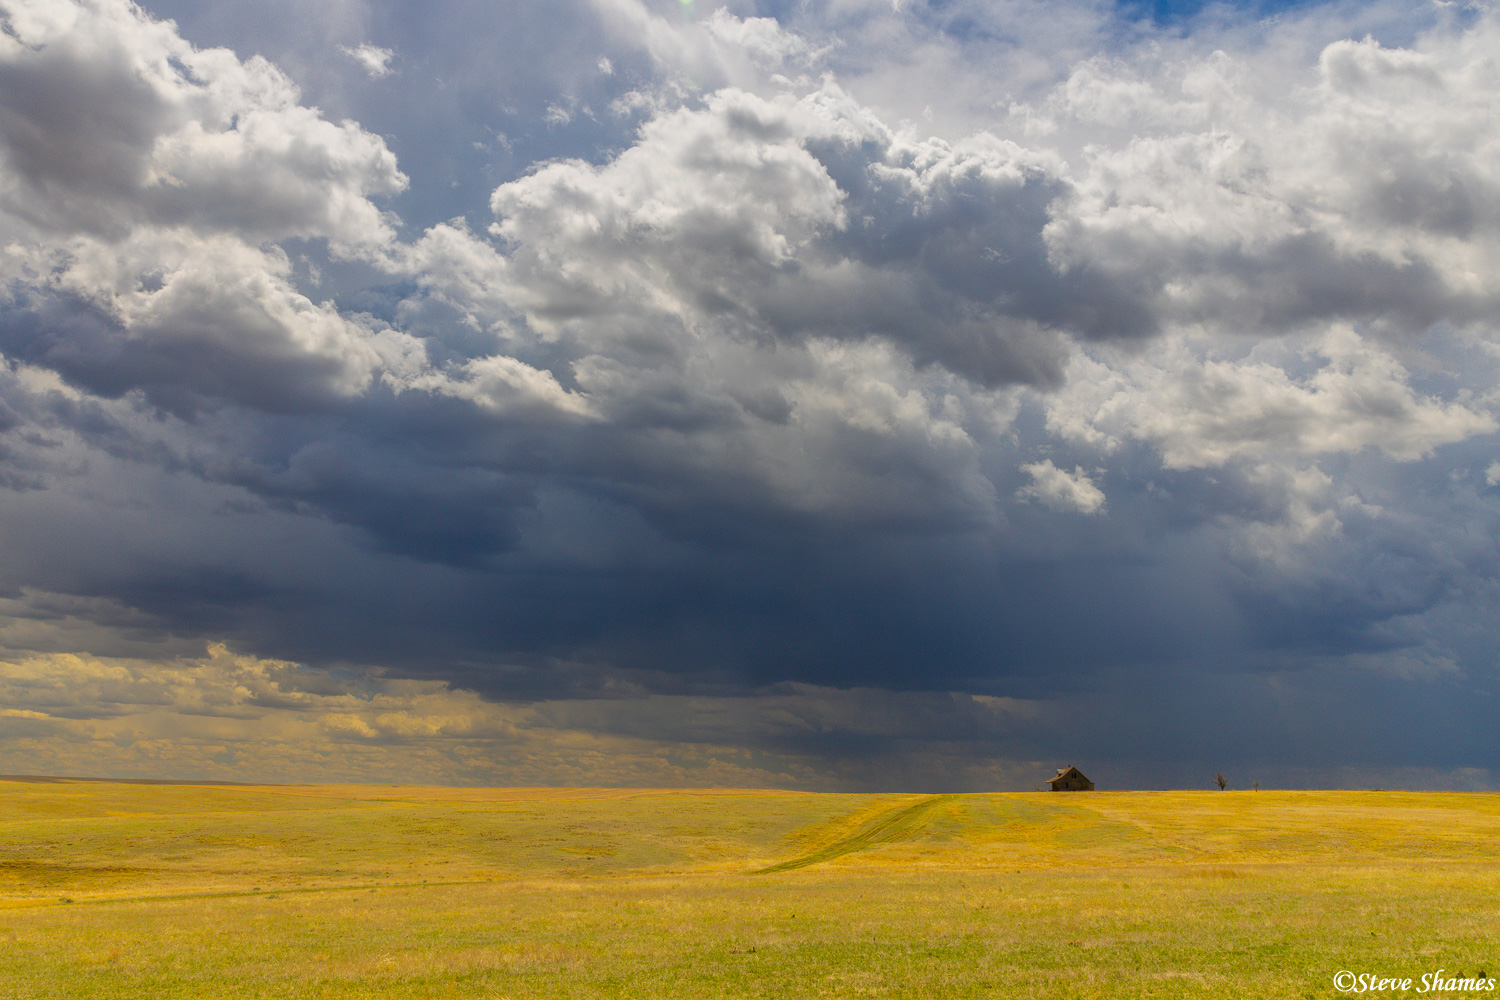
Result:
<point x="1223" y="781"/>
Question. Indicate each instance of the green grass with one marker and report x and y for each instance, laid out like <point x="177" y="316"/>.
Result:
<point x="157" y="891"/>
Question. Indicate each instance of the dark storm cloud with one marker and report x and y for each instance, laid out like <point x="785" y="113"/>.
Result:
<point x="738" y="408"/>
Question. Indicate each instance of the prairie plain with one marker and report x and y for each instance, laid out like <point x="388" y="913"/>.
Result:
<point x="196" y="891"/>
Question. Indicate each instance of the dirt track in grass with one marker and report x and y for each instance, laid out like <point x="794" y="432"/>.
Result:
<point x="886" y="828"/>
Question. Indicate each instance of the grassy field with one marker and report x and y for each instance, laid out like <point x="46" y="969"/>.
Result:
<point x="156" y="891"/>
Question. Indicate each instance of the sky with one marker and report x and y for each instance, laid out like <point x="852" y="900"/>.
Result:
<point x="857" y="395"/>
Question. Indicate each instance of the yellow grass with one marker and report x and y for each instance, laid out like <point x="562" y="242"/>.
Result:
<point x="114" y="890"/>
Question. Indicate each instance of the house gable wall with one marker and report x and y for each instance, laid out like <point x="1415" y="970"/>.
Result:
<point x="1071" y="780"/>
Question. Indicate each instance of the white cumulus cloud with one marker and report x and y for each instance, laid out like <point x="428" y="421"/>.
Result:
<point x="375" y="60"/>
<point x="1061" y="488"/>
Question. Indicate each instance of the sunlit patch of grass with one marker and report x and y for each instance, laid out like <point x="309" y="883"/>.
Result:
<point x="366" y="892"/>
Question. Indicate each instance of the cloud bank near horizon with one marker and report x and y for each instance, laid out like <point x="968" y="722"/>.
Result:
<point x="927" y="391"/>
